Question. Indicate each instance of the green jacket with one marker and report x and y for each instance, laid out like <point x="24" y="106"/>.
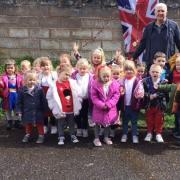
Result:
<point x="171" y="89"/>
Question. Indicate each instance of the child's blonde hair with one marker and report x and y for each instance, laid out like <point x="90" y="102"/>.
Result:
<point x="30" y="74"/>
<point x="67" y="56"/>
<point x="102" y="68"/>
<point x="36" y="61"/>
<point x="67" y="69"/>
<point x="130" y="65"/>
<point x="156" y="66"/>
<point x="177" y="58"/>
<point x="46" y="61"/>
<point x="82" y="62"/>
<point x="101" y="52"/>
<point x="26" y="63"/>
<point x="11" y="62"/>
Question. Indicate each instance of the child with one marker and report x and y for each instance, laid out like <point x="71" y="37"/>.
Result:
<point x="141" y="70"/>
<point x="119" y="59"/>
<point x="105" y="95"/>
<point x="176" y="110"/>
<point x="83" y="78"/>
<point x="134" y="92"/>
<point x="65" y="60"/>
<point x="97" y="57"/>
<point x="155" y="104"/>
<point x="11" y="81"/>
<point x="64" y="100"/>
<point x="36" y="65"/>
<point x="160" y="59"/>
<point x="118" y="75"/>
<point x="25" y="66"/>
<point x="46" y="78"/>
<point x="30" y="106"/>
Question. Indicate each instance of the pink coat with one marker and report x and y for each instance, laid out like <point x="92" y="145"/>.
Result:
<point x="99" y="100"/>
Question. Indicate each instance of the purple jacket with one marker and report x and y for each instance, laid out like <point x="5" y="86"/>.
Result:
<point x="99" y="100"/>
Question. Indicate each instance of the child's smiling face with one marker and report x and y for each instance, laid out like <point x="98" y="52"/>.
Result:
<point x="160" y="61"/>
<point x="96" y="58"/>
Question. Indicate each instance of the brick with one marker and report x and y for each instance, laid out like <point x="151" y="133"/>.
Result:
<point x="3" y="32"/>
<point x="39" y="33"/>
<point x="49" y="44"/>
<point x="66" y="45"/>
<point x="102" y="34"/>
<point x="111" y="45"/>
<point x="89" y="45"/>
<point x="57" y="22"/>
<point x="117" y="35"/>
<point x="60" y="33"/>
<point x="21" y="33"/>
<point x="18" y="43"/>
<point x="81" y="34"/>
<point x="24" y="10"/>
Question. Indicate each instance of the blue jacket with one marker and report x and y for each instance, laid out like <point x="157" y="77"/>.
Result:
<point x="172" y="41"/>
<point x="31" y="105"/>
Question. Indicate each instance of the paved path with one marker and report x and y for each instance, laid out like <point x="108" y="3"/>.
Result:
<point x="83" y="161"/>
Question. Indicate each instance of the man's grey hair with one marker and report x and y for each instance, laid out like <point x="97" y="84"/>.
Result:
<point x="163" y="5"/>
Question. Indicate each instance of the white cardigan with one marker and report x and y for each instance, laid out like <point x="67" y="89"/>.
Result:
<point x="54" y="101"/>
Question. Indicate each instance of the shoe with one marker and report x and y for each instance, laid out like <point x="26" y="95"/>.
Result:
<point x="45" y="129"/>
<point x="9" y="125"/>
<point x="40" y="139"/>
<point x="124" y="138"/>
<point x="108" y="141"/>
<point x="135" y="139"/>
<point x="53" y="130"/>
<point x="176" y="135"/>
<point x="148" y="137"/>
<point x="112" y="133"/>
<point x="159" y="138"/>
<point x="91" y="123"/>
<point x="79" y="133"/>
<point x="85" y="133"/>
<point x="74" y="139"/>
<point x="61" y="141"/>
<point x="26" y="138"/>
<point x="97" y="142"/>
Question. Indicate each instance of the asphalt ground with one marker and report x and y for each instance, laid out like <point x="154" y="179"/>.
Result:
<point x="84" y="161"/>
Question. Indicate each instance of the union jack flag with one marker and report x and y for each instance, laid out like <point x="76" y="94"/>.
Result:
<point x="134" y="16"/>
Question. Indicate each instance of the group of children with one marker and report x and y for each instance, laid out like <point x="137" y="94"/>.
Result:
<point x="52" y="100"/>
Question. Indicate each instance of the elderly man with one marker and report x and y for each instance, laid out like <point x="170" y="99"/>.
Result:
<point x="161" y="35"/>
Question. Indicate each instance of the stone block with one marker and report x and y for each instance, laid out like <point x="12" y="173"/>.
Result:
<point x="89" y="45"/>
<point x="102" y="34"/>
<point x="111" y="45"/>
<point x="58" y="22"/>
<point x="3" y="32"/>
<point x="18" y="43"/>
<point x="49" y="44"/>
<point x="21" y="33"/>
<point x="39" y="33"/>
<point x="66" y="45"/>
<point x="60" y="33"/>
<point x="81" y="34"/>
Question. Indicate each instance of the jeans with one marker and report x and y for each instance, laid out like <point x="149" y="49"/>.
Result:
<point x="129" y="115"/>
<point x="69" y="120"/>
<point x="177" y="122"/>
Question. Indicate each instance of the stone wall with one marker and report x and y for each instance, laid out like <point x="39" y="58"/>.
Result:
<point x="49" y="27"/>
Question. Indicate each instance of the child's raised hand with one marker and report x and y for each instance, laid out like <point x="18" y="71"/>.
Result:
<point x="118" y="53"/>
<point x="75" y="48"/>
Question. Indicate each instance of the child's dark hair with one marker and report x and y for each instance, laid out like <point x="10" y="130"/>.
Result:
<point x="159" y="54"/>
<point x="11" y="62"/>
